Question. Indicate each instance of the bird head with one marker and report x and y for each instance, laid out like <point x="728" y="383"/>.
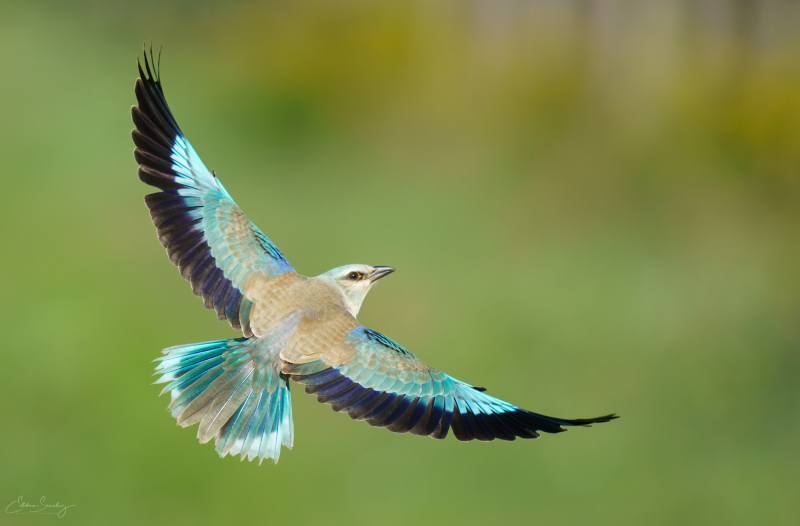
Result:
<point x="354" y="281"/>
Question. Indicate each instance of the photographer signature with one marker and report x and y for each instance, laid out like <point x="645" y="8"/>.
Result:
<point x="20" y="507"/>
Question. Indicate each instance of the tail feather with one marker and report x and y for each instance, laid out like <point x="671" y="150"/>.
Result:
<point x="234" y="432"/>
<point x="224" y="402"/>
<point x="233" y="392"/>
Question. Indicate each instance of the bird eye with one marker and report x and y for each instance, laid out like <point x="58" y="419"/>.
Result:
<point x="354" y="275"/>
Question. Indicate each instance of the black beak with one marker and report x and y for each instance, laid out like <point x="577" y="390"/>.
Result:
<point x="379" y="272"/>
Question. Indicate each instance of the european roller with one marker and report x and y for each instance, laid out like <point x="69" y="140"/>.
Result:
<point x="294" y="328"/>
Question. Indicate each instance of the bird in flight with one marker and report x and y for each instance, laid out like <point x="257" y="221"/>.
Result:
<point x="294" y="327"/>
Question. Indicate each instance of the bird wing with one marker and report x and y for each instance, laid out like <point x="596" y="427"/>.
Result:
<point x="373" y="378"/>
<point x="208" y="237"/>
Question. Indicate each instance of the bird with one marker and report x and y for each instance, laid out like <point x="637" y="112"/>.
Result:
<point x="294" y="328"/>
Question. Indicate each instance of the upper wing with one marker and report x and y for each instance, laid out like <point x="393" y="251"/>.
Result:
<point x="205" y="233"/>
<point x="376" y="379"/>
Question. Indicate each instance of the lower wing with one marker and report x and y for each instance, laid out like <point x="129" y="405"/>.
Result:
<point x="373" y="378"/>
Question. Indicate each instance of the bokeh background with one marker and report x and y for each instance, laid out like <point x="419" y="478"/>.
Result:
<point x="594" y="207"/>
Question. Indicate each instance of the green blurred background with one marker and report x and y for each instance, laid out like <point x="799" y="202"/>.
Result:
<point x="594" y="207"/>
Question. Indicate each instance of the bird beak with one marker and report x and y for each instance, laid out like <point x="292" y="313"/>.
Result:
<point x="379" y="272"/>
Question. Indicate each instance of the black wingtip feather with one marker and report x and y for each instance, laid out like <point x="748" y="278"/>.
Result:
<point x="153" y="161"/>
<point x="483" y="431"/>
<point x="402" y="417"/>
<point x="185" y="250"/>
<point x="388" y="414"/>
<point x="587" y="422"/>
<point x="146" y="64"/>
<point x="362" y="412"/>
<point x="459" y="430"/>
<point x="347" y="395"/>
<point x="362" y="401"/>
<point x="190" y="257"/>
<point x="423" y="422"/>
<point x="145" y="143"/>
<point x="434" y="417"/>
<point x="145" y="124"/>
<point x="389" y="402"/>
<point x="220" y="297"/>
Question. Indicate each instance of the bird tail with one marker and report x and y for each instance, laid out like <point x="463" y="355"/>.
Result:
<point x="236" y="393"/>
